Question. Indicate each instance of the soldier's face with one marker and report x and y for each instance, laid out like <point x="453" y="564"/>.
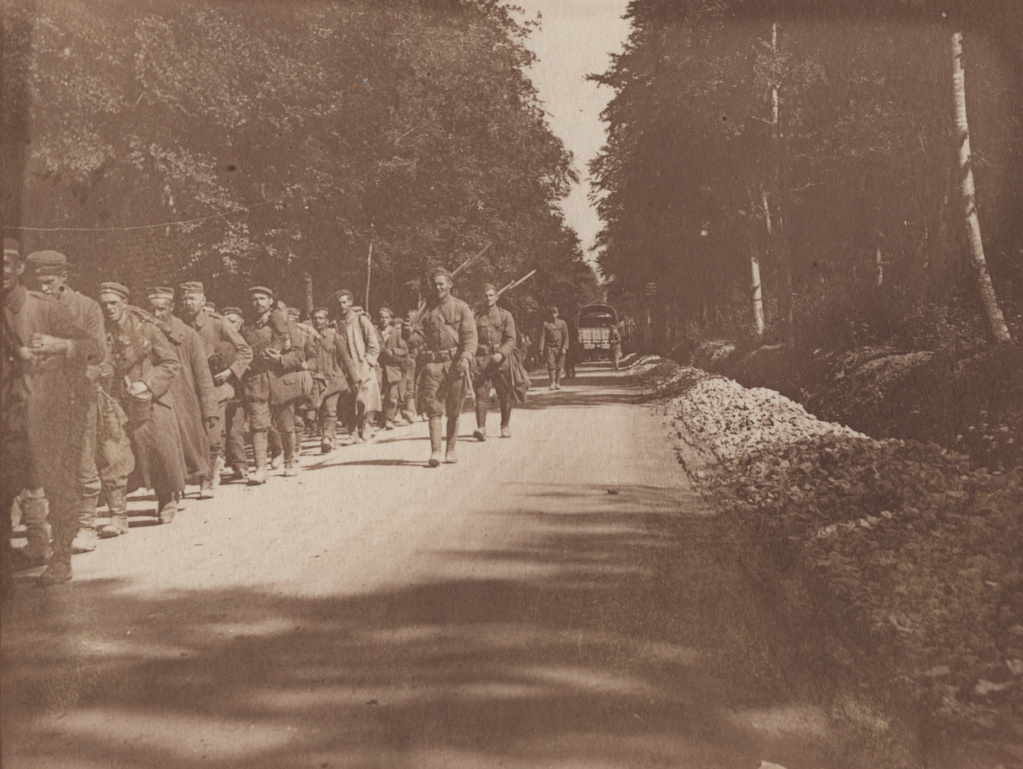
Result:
<point x="344" y="302"/>
<point x="385" y="319"/>
<point x="320" y="321"/>
<point x="261" y="303"/>
<point x="442" y="286"/>
<point x="235" y="320"/>
<point x="51" y="284"/>
<point x="490" y="297"/>
<point x="13" y="267"/>
<point x="192" y="304"/>
<point x="161" y="308"/>
<point x="113" y="306"/>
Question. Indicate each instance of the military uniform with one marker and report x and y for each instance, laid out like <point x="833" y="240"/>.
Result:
<point x="363" y="346"/>
<point x="215" y="330"/>
<point x="333" y="370"/>
<point x="408" y="373"/>
<point x="393" y="351"/>
<point x="554" y="341"/>
<point x="43" y="429"/>
<point x="496" y="331"/>
<point x="446" y="335"/>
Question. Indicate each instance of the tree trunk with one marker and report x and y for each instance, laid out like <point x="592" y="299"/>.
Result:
<point x="369" y="274"/>
<point x="310" y="303"/>
<point x="779" y="237"/>
<point x="756" y="288"/>
<point x="988" y="298"/>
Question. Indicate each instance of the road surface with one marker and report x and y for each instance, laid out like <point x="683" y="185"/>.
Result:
<point x="562" y="599"/>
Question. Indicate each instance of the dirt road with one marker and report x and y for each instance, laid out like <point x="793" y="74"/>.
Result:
<point x="560" y="599"/>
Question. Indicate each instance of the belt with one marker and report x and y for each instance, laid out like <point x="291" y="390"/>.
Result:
<point x="484" y="349"/>
<point x="442" y="356"/>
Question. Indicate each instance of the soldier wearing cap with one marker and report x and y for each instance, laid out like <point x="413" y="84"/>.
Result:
<point x="195" y="397"/>
<point x="446" y="333"/>
<point x="363" y="347"/>
<point x="495" y="328"/>
<point x="408" y="385"/>
<point x="334" y="372"/>
<point x="267" y="334"/>
<point x="215" y="330"/>
<point x="393" y="351"/>
<point x="234" y="411"/>
<point x="554" y="341"/>
<point x="143" y="366"/>
<point x="45" y="356"/>
<point x="106" y="458"/>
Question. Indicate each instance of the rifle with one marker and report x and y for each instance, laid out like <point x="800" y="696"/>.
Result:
<point x="462" y="266"/>
<point x="515" y="283"/>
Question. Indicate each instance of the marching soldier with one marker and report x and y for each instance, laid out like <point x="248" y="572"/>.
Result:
<point x="142" y="367"/>
<point x="393" y="351"/>
<point x="363" y="347"/>
<point x="615" y="339"/>
<point x="446" y="333"/>
<point x="195" y="399"/>
<point x="216" y="330"/>
<point x="409" y="368"/>
<point x="495" y="328"/>
<point x="554" y="346"/>
<point x="45" y="358"/>
<point x="234" y="412"/>
<point x="333" y="368"/>
<point x="106" y="458"/>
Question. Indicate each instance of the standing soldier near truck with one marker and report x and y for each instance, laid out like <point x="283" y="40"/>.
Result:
<point x="446" y="337"/>
<point x="554" y="343"/>
<point x="495" y="329"/>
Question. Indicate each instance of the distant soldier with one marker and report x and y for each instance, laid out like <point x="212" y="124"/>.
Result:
<point x="195" y="399"/>
<point x="554" y="346"/>
<point x="409" y="368"/>
<point x="332" y="369"/>
<point x="446" y="336"/>
<point x="270" y="341"/>
<point x="100" y="418"/>
<point x="495" y="328"/>
<point x="393" y="351"/>
<point x="45" y="358"/>
<point x="234" y="411"/>
<point x="216" y="331"/>
<point x="362" y="345"/>
<point x="615" y="339"/>
<point x="143" y="367"/>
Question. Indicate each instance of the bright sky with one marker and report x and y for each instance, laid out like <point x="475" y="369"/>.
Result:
<point x="577" y="38"/>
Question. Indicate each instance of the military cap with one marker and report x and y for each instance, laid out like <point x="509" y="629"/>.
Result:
<point x="262" y="290"/>
<point x="192" y="287"/>
<point x="210" y="307"/>
<point x="12" y="246"/>
<point x="442" y="271"/>
<point x="47" y="262"/>
<point x="232" y="311"/>
<point x="160" y="292"/>
<point x="386" y="309"/>
<point x="489" y="287"/>
<point x="344" y="292"/>
<point x="293" y="313"/>
<point x="319" y="309"/>
<point x="113" y="287"/>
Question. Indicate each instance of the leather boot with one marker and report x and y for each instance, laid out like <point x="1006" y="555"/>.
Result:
<point x="288" y="445"/>
<point x="480" y="433"/>
<point x="58" y="571"/>
<point x="85" y="538"/>
<point x="436" y="440"/>
<point x="258" y="477"/>
<point x="166" y="507"/>
<point x="117" y="501"/>
<point x="329" y="429"/>
<point x="452" y="441"/>
<point x="34" y="511"/>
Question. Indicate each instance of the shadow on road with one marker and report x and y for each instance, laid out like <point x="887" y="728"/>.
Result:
<point x="611" y="635"/>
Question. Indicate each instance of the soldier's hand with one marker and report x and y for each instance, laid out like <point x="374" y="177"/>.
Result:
<point x="496" y="358"/>
<point x="222" y="376"/>
<point x="26" y="354"/>
<point x="272" y="354"/>
<point x="44" y="344"/>
<point x="137" y="388"/>
<point x="463" y="365"/>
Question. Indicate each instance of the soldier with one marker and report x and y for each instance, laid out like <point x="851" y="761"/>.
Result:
<point x="361" y="342"/>
<point x="195" y="399"/>
<point x="234" y="411"/>
<point x="142" y="368"/>
<point x="216" y="330"/>
<point x="409" y="368"/>
<point x="554" y="342"/>
<point x="333" y="368"/>
<point x="495" y="328"/>
<point x="45" y="358"/>
<point x="268" y="336"/>
<point x="106" y="458"/>
<point x="446" y="333"/>
<point x="615" y="339"/>
<point x="393" y="351"/>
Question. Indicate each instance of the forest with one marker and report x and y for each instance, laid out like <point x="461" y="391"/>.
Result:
<point x="345" y="144"/>
<point x="792" y="173"/>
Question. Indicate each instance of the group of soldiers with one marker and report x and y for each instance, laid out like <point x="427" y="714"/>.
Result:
<point x="101" y="398"/>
